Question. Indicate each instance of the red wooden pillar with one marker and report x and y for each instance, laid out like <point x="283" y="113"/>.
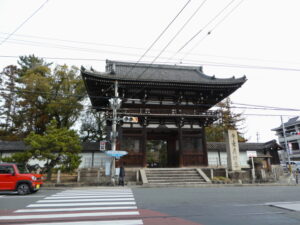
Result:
<point x="181" y="162"/>
<point x="144" y="146"/>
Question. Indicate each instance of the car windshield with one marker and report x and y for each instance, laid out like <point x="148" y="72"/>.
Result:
<point x="22" y="169"/>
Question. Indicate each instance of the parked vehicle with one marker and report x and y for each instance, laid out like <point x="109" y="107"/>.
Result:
<point x="15" y="177"/>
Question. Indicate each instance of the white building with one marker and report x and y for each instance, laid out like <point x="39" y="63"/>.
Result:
<point x="92" y="157"/>
<point x="292" y="133"/>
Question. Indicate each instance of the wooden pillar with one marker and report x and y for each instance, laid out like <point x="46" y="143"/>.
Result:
<point x="181" y="163"/>
<point x="204" y="144"/>
<point x="144" y="146"/>
<point x="120" y="138"/>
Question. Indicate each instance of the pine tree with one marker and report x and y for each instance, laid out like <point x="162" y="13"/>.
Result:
<point x="227" y="120"/>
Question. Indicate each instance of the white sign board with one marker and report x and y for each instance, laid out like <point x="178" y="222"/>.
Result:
<point x="233" y="152"/>
<point x="251" y="154"/>
<point x="102" y="145"/>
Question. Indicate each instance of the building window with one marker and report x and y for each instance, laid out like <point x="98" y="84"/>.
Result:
<point x="131" y="144"/>
<point x="295" y="146"/>
<point x="192" y="144"/>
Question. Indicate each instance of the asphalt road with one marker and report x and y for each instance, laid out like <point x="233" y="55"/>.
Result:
<point x="224" y="205"/>
<point x="190" y="206"/>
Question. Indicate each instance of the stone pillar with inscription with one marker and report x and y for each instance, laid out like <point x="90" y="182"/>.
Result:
<point x="233" y="152"/>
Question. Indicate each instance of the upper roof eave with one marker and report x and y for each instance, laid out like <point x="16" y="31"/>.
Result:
<point x="209" y="81"/>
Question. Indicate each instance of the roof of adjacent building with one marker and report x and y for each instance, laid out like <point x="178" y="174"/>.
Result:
<point x="245" y="146"/>
<point x="291" y="122"/>
<point x="159" y="73"/>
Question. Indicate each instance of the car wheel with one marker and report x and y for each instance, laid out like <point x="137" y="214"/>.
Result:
<point x="23" y="189"/>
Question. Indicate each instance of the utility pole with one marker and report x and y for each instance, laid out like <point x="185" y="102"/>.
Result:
<point x="257" y="137"/>
<point x="115" y="104"/>
<point x="286" y="144"/>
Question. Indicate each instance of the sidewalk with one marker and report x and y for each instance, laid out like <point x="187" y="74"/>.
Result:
<point x="75" y="184"/>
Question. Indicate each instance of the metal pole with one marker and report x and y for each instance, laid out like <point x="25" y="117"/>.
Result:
<point x="253" y="170"/>
<point x="286" y="144"/>
<point x="114" y="133"/>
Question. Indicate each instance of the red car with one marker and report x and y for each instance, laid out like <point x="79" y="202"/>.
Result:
<point x="15" y="177"/>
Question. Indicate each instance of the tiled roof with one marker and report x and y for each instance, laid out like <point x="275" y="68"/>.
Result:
<point x="160" y="73"/>
<point x="243" y="146"/>
<point x="291" y="122"/>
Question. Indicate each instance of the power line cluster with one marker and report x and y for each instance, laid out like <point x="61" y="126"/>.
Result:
<point x="23" y="23"/>
<point x="216" y="20"/>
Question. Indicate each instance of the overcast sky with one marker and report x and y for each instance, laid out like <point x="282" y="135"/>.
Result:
<point x="256" y="38"/>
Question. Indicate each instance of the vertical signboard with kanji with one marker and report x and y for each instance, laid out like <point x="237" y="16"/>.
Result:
<point x="233" y="152"/>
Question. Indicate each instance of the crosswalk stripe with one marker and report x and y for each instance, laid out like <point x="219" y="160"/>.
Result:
<point x="116" y="204"/>
<point x="95" y="191"/>
<point x="85" y="200"/>
<point x="83" y="194"/>
<point x="107" y="222"/>
<point x="81" y="204"/>
<point x="68" y="215"/>
<point x="88" y="196"/>
<point x="75" y="209"/>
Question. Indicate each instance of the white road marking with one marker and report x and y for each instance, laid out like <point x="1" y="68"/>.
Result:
<point x="96" y="191"/>
<point x="69" y="215"/>
<point x="89" y="196"/>
<point x="75" y="209"/>
<point x="274" y="203"/>
<point x="22" y="196"/>
<point x="86" y="200"/>
<point x="107" y="222"/>
<point x="293" y="206"/>
<point x="93" y="193"/>
<point x="81" y="204"/>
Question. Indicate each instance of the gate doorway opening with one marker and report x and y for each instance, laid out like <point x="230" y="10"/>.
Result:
<point x="162" y="149"/>
<point x="157" y="153"/>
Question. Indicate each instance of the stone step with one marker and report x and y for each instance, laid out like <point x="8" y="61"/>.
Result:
<point x="165" y="172"/>
<point x="174" y="177"/>
<point x="176" y="181"/>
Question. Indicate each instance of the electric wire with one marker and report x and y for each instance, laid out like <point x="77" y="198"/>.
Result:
<point x="44" y="44"/>
<point x="172" y="39"/>
<point x="23" y="23"/>
<point x="211" y="30"/>
<point x="188" y="20"/>
<point x="190" y="62"/>
<point x="72" y="41"/>
<point x="159" y="36"/>
<point x="212" y="20"/>
<point x="153" y="43"/>
<point x="266" y="107"/>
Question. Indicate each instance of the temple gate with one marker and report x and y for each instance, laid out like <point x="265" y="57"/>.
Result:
<point x="172" y="104"/>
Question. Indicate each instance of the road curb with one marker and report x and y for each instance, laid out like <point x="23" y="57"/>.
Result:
<point x="76" y="185"/>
